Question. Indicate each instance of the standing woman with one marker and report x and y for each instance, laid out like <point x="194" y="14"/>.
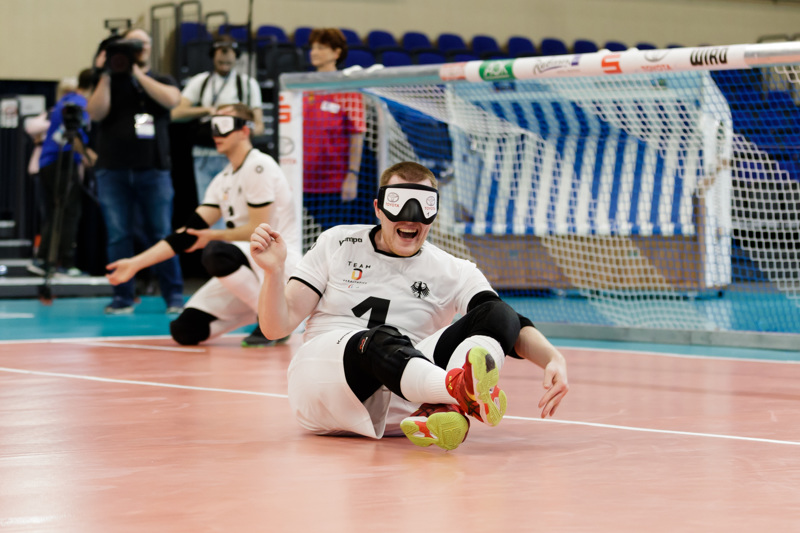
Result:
<point x="333" y="135"/>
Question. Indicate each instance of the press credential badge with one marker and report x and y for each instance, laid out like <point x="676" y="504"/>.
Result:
<point x="145" y="126"/>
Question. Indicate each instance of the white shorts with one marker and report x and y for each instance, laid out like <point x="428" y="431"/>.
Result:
<point x="325" y="405"/>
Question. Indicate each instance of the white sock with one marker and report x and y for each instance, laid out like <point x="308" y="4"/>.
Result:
<point x="459" y="356"/>
<point x="424" y="382"/>
<point x="244" y="284"/>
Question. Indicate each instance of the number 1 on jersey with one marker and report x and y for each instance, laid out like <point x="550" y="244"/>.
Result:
<point x="379" y="308"/>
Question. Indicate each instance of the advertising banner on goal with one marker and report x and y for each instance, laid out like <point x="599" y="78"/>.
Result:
<point x="290" y="144"/>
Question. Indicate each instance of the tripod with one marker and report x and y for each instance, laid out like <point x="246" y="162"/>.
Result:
<point x="45" y="289"/>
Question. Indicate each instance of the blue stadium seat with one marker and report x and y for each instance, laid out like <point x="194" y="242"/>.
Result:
<point x="195" y="59"/>
<point x="378" y="40"/>
<point x="486" y="46"/>
<point x="615" y="46"/>
<point x="362" y="58"/>
<point x="521" y="47"/>
<point x="429" y="58"/>
<point x="463" y="57"/>
<point x="237" y="31"/>
<point x="584" y="46"/>
<point x="675" y="45"/>
<point x="646" y="46"/>
<point x="273" y="59"/>
<point x="193" y="42"/>
<point x="394" y="58"/>
<point x="551" y="46"/>
<point x="416" y="42"/>
<point x="193" y="31"/>
<point x="457" y="58"/>
<point x="301" y="36"/>
<point x="452" y="43"/>
<point x="354" y="42"/>
<point x="270" y="34"/>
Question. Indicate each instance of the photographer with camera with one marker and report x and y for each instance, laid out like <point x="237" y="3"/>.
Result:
<point x="132" y="107"/>
<point x="63" y="155"/>
<point x="203" y="94"/>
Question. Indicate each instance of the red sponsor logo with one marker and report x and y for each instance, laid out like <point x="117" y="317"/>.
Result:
<point x="285" y="113"/>
<point x="610" y="64"/>
<point x="453" y="71"/>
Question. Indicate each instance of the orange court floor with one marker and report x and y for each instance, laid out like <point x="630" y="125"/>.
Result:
<point x="130" y="434"/>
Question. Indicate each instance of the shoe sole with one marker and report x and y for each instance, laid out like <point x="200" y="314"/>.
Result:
<point x="35" y="270"/>
<point x="446" y="430"/>
<point x="262" y="344"/>
<point x="485" y="375"/>
<point x="122" y="311"/>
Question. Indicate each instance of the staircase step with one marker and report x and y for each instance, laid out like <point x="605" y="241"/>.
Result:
<point x="15" y="268"/>
<point x="7" y="228"/>
<point x="30" y="286"/>
<point x="15" y="248"/>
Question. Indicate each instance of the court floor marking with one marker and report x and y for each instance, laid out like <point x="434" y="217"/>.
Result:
<point x="134" y="382"/>
<point x="93" y="341"/>
<point x="140" y="346"/>
<point x="652" y="430"/>
<point x="689" y="355"/>
<point x="284" y="396"/>
<point x="8" y="316"/>
<point x="631" y="351"/>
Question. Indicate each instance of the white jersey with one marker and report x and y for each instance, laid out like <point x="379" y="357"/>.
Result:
<point x="221" y="90"/>
<point x="362" y="287"/>
<point x="257" y="182"/>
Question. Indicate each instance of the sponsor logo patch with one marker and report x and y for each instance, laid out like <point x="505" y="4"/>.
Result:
<point x="709" y="56"/>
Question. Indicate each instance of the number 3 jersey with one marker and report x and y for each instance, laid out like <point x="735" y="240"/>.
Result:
<point x="361" y="287"/>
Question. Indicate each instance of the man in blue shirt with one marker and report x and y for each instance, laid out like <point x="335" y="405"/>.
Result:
<point x="63" y="155"/>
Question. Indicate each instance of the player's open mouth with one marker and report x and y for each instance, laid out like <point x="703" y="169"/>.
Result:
<point x="407" y="233"/>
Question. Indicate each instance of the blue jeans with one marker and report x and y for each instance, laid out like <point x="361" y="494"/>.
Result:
<point x="121" y="193"/>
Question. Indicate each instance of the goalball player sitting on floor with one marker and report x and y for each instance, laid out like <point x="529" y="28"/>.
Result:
<point x="382" y="355"/>
<point x="250" y="190"/>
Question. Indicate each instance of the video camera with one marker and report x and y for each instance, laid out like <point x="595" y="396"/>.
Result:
<point x="72" y="118"/>
<point x="121" y="54"/>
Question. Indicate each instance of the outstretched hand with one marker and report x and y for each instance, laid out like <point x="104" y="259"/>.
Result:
<point x="120" y="271"/>
<point x="555" y="383"/>
<point x="204" y="236"/>
<point x="267" y="248"/>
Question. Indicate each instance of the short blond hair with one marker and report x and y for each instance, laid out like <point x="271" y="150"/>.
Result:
<point x="239" y="110"/>
<point x="409" y="171"/>
<point x="65" y="86"/>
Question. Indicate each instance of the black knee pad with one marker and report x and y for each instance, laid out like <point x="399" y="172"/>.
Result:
<point x="222" y="258"/>
<point x="494" y="318"/>
<point x="191" y="327"/>
<point x="377" y="357"/>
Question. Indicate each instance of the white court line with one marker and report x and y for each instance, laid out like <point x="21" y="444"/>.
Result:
<point x="15" y="315"/>
<point x="138" y="346"/>
<point x="631" y="351"/>
<point x="624" y="351"/>
<point x="271" y="395"/>
<point x="132" y="382"/>
<point x="650" y="430"/>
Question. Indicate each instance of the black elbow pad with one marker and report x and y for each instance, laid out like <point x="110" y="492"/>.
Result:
<point x="180" y="241"/>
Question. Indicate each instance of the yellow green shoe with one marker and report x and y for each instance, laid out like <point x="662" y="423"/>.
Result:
<point x="439" y="424"/>
<point x="474" y="387"/>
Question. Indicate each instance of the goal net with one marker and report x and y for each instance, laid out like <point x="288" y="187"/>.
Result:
<point x="646" y="189"/>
